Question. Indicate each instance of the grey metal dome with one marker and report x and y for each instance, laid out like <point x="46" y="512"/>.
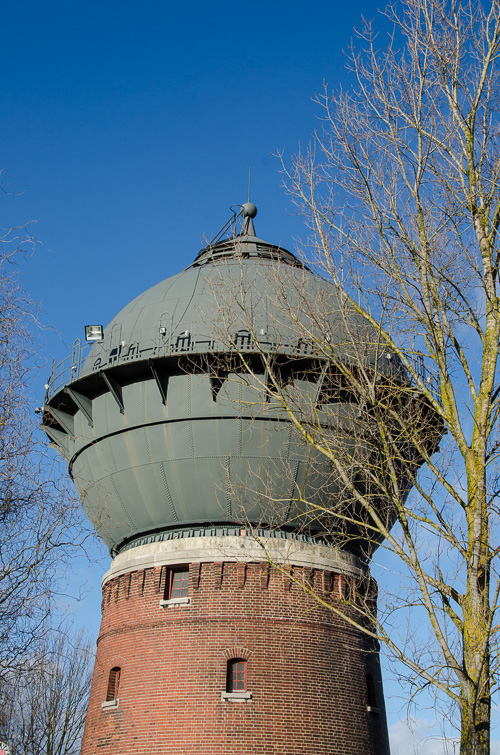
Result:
<point x="163" y="430"/>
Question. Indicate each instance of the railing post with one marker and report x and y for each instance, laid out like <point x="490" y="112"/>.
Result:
<point x="76" y="355"/>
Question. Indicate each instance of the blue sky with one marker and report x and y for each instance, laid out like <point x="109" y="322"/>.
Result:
<point x="130" y="129"/>
<point x="127" y="132"/>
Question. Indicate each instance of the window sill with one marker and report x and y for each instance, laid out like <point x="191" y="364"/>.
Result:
<point x="175" y="602"/>
<point x="372" y="709"/>
<point x="110" y="704"/>
<point x="236" y="697"/>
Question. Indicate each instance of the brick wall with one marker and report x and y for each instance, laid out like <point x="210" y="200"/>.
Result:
<point x="306" y="667"/>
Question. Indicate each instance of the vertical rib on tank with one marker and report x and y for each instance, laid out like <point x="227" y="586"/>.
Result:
<point x="166" y="424"/>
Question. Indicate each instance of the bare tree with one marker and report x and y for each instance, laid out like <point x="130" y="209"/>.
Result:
<point x="39" y="517"/>
<point x="43" y="706"/>
<point x="402" y="195"/>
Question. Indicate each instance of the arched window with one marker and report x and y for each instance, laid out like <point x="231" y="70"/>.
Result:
<point x="236" y="675"/>
<point x="113" y="684"/>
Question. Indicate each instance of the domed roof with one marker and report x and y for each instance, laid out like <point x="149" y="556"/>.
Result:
<point x="242" y="285"/>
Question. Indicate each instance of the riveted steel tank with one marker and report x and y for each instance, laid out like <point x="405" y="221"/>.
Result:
<point x="166" y="423"/>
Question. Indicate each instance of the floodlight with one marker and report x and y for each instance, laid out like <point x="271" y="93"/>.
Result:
<point x="94" y="333"/>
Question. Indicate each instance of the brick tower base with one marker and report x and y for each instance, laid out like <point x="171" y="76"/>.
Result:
<point x="311" y="683"/>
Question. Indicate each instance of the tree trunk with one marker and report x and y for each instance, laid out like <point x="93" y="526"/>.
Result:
<point x="475" y="723"/>
<point x="476" y="695"/>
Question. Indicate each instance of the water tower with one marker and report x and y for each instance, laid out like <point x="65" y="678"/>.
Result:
<point x="209" y="642"/>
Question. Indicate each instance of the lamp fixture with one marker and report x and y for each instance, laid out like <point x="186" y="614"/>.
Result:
<point x="94" y="333"/>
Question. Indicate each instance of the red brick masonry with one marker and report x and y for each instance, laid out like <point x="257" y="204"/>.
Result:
<point x="306" y="668"/>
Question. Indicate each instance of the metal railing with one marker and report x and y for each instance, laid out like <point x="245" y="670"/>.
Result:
<point x="152" y="343"/>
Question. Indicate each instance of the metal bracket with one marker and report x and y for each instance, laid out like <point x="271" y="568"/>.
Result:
<point x="115" y="389"/>
<point x="65" y="420"/>
<point x="58" y="438"/>
<point x="82" y="402"/>
<point x="216" y="377"/>
<point x="162" y="384"/>
<point x="321" y="380"/>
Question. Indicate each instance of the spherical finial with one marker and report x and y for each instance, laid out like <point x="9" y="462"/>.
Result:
<point x="248" y="210"/>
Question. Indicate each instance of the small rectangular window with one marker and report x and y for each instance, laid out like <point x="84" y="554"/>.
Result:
<point x="176" y="587"/>
<point x="178" y="584"/>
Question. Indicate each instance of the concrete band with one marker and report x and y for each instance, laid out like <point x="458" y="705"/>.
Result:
<point x="234" y="548"/>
